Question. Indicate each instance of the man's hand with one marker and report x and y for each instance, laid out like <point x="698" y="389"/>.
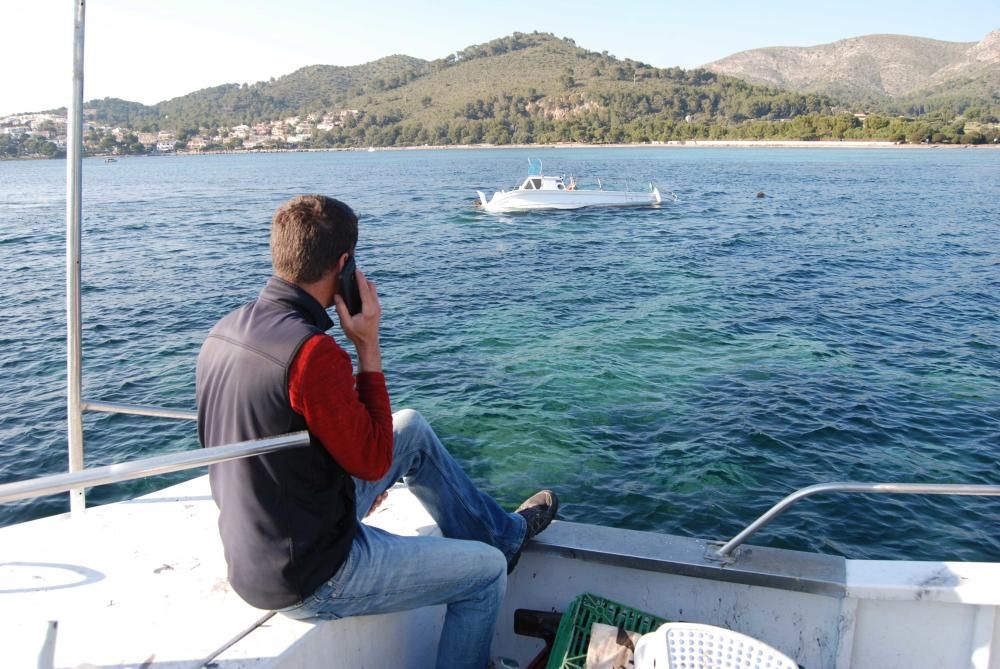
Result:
<point x="362" y="327"/>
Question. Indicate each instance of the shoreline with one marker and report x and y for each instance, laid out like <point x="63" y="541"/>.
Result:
<point x="689" y="144"/>
<point x="708" y="143"/>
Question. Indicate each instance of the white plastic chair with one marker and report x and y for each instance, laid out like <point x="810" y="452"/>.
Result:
<point x="696" y="646"/>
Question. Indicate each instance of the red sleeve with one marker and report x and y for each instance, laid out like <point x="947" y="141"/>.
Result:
<point x="350" y="417"/>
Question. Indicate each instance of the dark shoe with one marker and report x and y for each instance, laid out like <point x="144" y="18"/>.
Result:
<point x="538" y="510"/>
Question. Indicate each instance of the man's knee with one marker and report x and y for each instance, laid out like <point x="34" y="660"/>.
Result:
<point x="497" y="564"/>
<point x="488" y="569"/>
<point x="406" y="419"/>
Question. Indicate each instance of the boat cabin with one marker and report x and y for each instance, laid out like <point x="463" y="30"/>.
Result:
<point x="546" y="183"/>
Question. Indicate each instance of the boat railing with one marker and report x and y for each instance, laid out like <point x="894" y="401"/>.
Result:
<point x="145" y="467"/>
<point x="138" y="410"/>
<point x="185" y="460"/>
<point x="853" y="487"/>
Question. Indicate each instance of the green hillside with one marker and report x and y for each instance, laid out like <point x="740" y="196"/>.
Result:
<point x="555" y="78"/>
<point x="316" y="88"/>
<point x="522" y="88"/>
<point x="531" y="88"/>
<point x="976" y="96"/>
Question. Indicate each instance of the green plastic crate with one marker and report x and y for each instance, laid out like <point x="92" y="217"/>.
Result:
<point x="569" y="651"/>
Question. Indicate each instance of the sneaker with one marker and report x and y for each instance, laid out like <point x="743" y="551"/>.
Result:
<point x="538" y="510"/>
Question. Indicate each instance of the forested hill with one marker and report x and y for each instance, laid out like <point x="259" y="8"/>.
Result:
<point x="530" y="76"/>
<point x="533" y="88"/>
<point x="317" y="88"/>
<point x="892" y="72"/>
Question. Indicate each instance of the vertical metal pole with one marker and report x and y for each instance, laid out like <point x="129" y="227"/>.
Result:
<point x="74" y="194"/>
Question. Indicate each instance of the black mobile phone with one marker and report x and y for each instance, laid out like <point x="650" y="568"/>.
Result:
<point x="349" y="287"/>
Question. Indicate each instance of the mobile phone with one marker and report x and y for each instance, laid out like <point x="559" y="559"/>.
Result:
<point x="349" y="287"/>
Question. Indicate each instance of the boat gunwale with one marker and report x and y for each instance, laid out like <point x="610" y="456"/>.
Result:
<point x="779" y="568"/>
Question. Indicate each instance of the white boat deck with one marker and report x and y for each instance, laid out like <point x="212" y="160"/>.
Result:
<point x="142" y="584"/>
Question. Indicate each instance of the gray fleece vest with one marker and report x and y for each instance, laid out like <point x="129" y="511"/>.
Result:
<point x="286" y="519"/>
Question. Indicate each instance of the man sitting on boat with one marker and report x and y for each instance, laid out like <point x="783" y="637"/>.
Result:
<point x="289" y="520"/>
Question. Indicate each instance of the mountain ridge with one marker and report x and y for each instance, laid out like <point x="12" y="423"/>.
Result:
<point x="537" y="70"/>
<point x="888" y="73"/>
<point x="538" y="88"/>
<point x="873" y="68"/>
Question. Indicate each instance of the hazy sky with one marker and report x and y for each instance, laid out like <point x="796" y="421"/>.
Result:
<point x="150" y="51"/>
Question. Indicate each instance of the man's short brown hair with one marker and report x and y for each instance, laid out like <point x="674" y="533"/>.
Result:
<point x="309" y="233"/>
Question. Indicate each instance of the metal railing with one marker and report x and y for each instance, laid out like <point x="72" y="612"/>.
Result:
<point x="138" y="410"/>
<point x="882" y="488"/>
<point x="74" y="216"/>
<point x="75" y="405"/>
<point x="160" y="464"/>
<point x="175" y="462"/>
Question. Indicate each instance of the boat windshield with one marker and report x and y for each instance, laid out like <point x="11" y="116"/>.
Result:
<point x="534" y="167"/>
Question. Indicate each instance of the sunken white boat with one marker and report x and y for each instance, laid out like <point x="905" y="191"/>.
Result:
<point x="541" y="191"/>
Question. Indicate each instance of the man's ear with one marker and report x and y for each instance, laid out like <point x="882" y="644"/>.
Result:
<point x="342" y="261"/>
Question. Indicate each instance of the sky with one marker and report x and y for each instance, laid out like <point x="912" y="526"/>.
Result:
<point x="149" y="51"/>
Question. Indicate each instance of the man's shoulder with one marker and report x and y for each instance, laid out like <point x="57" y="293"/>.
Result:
<point x="235" y="315"/>
<point x="267" y="313"/>
<point x="320" y="346"/>
<point x="261" y="328"/>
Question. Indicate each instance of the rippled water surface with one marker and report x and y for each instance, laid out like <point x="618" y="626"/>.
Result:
<point x="676" y="369"/>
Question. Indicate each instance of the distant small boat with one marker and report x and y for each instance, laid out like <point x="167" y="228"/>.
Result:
<point x="371" y="149"/>
<point x="539" y="191"/>
<point x="111" y="160"/>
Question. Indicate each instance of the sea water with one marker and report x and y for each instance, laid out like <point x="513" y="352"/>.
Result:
<point x="677" y="368"/>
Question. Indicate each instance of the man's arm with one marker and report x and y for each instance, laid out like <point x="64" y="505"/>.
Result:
<point x="351" y="417"/>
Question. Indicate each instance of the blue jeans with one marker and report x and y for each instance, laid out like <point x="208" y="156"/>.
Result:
<point x="466" y="569"/>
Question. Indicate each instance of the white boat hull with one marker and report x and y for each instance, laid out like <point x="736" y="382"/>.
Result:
<point x="526" y="200"/>
<point x="145" y="579"/>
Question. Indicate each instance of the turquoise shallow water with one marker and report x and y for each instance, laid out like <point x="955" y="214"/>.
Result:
<point x="676" y="369"/>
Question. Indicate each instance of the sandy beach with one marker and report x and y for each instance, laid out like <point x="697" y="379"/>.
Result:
<point x="724" y="144"/>
<point x="711" y="143"/>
